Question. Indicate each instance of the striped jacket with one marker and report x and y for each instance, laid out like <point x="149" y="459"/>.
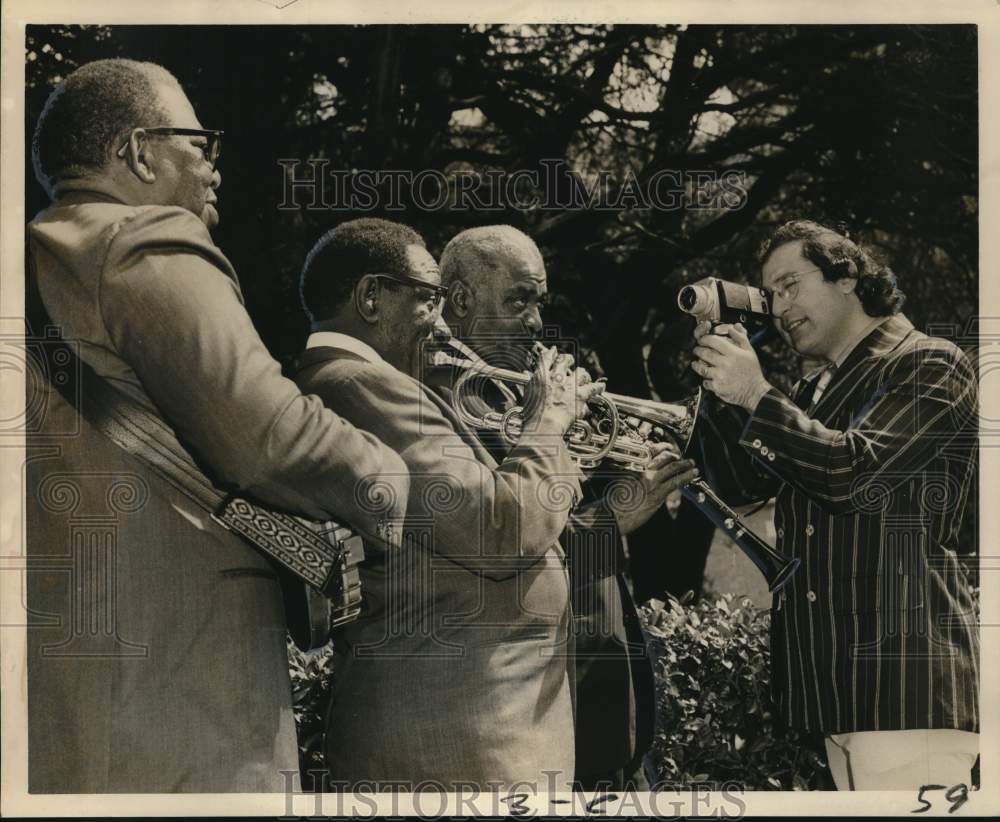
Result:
<point x="876" y="630"/>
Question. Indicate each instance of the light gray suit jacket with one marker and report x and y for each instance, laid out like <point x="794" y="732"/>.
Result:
<point x="459" y="669"/>
<point x="156" y="649"/>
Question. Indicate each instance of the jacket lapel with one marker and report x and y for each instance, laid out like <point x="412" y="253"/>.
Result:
<point x="866" y="355"/>
<point x="318" y="355"/>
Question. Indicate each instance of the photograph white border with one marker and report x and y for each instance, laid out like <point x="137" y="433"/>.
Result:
<point x="16" y="14"/>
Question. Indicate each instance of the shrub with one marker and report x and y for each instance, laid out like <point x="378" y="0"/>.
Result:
<point x="716" y="722"/>
<point x="312" y="681"/>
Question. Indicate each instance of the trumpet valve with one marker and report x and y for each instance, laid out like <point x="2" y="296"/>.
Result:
<point x="605" y="426"/>
<point x="511" y="424"/>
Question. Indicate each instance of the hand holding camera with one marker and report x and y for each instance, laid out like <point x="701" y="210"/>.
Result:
<point x="729" y="367"/>
<point x="724" y="358"/>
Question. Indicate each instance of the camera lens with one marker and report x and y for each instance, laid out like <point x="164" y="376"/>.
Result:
<point x="687" y="298"/>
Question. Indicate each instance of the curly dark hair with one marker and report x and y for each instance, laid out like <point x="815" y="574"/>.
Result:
<point x="89" y="115"/>
<point x="342" y="256"/>
<point x="838" y="256"/>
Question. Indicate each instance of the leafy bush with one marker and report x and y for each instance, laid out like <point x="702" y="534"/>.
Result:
<point x="716" y="722"/>
<point x="312" y="681"/>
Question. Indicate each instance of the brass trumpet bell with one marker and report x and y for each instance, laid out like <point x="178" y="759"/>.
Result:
<point x="618" y="428"/>
<point x="643" y="421"/>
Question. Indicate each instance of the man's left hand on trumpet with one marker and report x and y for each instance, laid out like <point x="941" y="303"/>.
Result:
<point x="728" y="365"/>
<point x="666" y="474"/>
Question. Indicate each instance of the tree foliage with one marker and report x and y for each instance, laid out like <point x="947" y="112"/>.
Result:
<point x="872" y="126"/>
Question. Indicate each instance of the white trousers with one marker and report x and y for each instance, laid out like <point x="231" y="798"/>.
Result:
<point x="901" y="760"/>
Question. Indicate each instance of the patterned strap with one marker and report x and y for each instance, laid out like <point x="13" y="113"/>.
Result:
<point x="323" y="554"/>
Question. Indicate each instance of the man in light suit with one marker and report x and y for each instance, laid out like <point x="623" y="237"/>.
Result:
<point x="874" y="642"/>
<point x="456" y="673"/>
<point x="156" y="641"/>
<point x="497" y="285"/>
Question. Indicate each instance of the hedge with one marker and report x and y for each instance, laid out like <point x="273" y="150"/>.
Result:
<point x="312" y="682"/>
<point x="716" y="722"/>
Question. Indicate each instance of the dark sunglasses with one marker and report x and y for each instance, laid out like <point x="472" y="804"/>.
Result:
<point x="438" y="292"/>
<point x="213" y="137"/>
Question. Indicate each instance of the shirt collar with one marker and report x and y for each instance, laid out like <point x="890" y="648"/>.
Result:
<point x="87" y="189"/>
<point x="345" y="342"/>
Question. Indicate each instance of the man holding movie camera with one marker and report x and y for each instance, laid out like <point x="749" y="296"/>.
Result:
<point x="874" y="641"/>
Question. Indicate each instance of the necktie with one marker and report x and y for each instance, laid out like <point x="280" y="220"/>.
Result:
<point x="821" y="383"/>
<point x="811" y="388"/>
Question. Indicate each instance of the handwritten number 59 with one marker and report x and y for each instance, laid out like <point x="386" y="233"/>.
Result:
<point x="958" y="795"/>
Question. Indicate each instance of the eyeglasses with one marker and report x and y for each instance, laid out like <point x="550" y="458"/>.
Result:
<point x="213" y="140"/>
<point x="435" y="293"/>
<point x="789" y="289"/>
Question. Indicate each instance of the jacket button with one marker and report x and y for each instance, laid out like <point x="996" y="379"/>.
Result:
<point x="756" y="443"/>
<point x="763" y="451"/>
<point x="770" y="456"/>
<point x="781" y="533"/>
<point x="810" y="530"/>
<point x="811" y="596"/>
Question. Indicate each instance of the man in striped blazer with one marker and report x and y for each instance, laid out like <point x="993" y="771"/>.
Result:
<point x="874" y="643"/>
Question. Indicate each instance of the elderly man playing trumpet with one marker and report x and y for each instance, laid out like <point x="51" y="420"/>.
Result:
<point x="456" y="672"/>
<point x="497" y="283"/>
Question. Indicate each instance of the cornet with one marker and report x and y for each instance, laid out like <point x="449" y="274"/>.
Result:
<point x="618" y="429"/>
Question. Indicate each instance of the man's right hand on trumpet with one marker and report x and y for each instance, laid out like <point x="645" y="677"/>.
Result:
<point x="558" y="393"/>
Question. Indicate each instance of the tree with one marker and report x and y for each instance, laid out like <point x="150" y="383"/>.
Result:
<point x="875" y="126"/>
<point x="872" y="126"/>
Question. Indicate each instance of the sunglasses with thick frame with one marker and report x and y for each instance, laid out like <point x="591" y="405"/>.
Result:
<point x="438" y="292"/>
<point x="213" y="136"/>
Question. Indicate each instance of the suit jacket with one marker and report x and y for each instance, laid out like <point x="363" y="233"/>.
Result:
<point x="614" y="680"/>
<point x="458" y="668"/>
<point x="876" y="630"/>
<point x="156" y="652"/>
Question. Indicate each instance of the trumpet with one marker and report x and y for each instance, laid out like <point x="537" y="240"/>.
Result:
<point x="618" y="429"/>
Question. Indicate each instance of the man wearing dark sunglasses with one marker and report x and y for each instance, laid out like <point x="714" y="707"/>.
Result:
<point x="188" y="689"/>
<point x="186" y="176"/>
<point x="457" y="672"/>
